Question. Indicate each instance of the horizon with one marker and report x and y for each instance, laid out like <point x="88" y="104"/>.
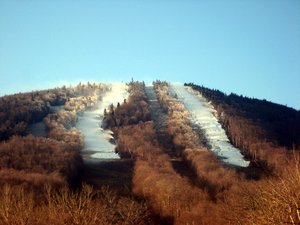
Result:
<point x="247" y="48"/>
<point x="74" y="83"/>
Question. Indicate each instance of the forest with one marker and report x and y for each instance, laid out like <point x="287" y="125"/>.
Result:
<point x="166" y="173"/>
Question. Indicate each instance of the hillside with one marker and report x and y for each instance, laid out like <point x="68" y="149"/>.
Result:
<point x="167" y="153"/>
<point x="278" y="123"/>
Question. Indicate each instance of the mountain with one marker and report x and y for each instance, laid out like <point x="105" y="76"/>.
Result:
<point x="167" y="153"/>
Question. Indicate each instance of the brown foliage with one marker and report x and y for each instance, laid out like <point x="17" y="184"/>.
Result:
<point x="39" y="155"/>
<point x="169" y="194"/>
<point x="30" y="180"/>
<point x="273" y="200"/>
<point x="62" y="206"/>
<point x="214" y="177"/>
<point x="136" y="140"/>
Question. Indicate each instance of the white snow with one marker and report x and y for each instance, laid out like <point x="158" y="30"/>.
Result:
<point x="96" y="139"/>
<point x="202" y="114"/>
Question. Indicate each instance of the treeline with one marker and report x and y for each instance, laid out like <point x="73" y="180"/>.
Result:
<point x="265" y="130"/>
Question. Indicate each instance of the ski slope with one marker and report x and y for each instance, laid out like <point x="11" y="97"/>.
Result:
<point x="202" y="114"/>
<point x="98" y="143"/>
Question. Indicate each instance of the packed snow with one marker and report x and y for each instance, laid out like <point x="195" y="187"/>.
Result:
<point x="203" y="114"/>
<point x="98" y="142"/>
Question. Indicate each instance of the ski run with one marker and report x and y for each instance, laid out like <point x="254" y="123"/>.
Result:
<point x="202" y="114"/>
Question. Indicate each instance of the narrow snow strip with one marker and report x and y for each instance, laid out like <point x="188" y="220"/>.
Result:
<point x="96" y="139"/>
<point x="202" y="114"/>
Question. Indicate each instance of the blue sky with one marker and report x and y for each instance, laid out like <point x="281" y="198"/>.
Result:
<point x="246" y="47"/>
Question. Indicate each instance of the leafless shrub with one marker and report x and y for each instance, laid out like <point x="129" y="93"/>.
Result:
<point x="63" y="206"/>
<point x="42" y="156"/>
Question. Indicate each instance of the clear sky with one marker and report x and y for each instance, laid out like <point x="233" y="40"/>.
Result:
<point x="246" y="47"/>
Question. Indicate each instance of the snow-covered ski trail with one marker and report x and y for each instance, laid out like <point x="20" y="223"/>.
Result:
<point x="202" y="114"/>
<point x="97" y="140"/>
